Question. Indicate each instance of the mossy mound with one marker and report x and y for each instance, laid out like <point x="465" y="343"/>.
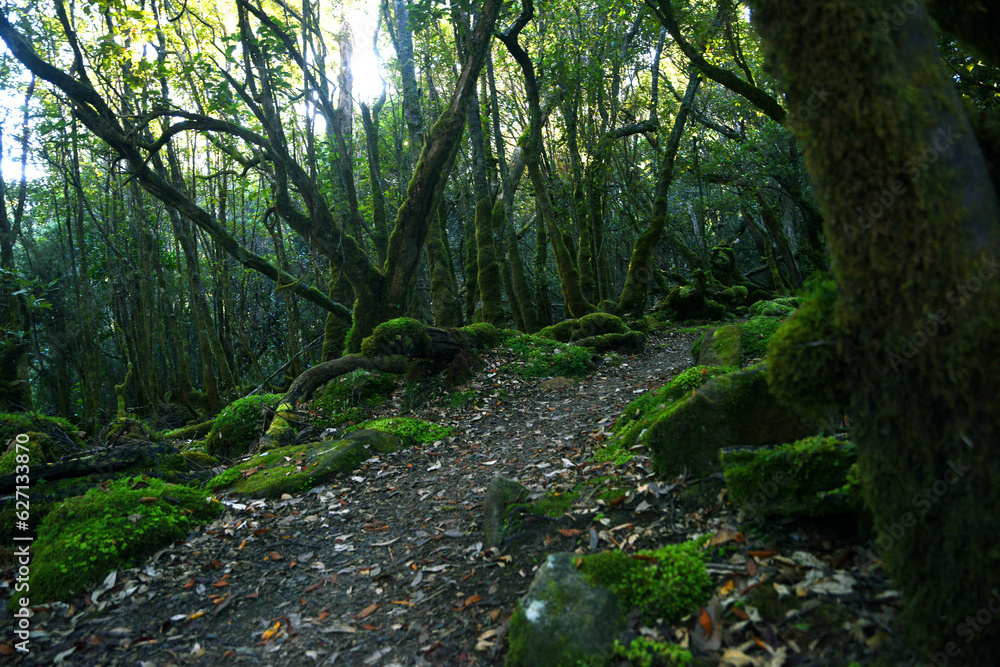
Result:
<point x="483" y="335"/>
<point x="403" y="335"/>
<point x="348" y="398"/>
<point x="543" y="357"/>
<point x="730" y="410"/>
<point x="62" y="433"/>
<point x="722" y="347"/>
<point x="114" y="525"/>
<point x="805" y="369"/>
<point x="297" y="468"/>
<point x="599" y="331"/>
<point x="781" y="307"/>
<point x="755" y="334"/>
<point x="39" y="449"/>
<point x="643" y="652"/>
<point x="407" y="428"/>
<point x="803" y="479"/>
<point x="239" y="425"/>
<point x="640" y="413"/>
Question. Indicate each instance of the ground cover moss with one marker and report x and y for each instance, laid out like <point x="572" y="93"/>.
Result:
<point x="483" y="335"/>
<point x="666" y="583"/>
<point x="542" y="357"/>
<point x="114" y="525"/>
<point x="239" y="425"/>
<point x="406" y="427"/>
<point x="12" y="423"/>
<point x="349" y="398"/>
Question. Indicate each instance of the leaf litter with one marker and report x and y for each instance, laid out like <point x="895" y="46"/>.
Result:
<point x="387" y="566"/>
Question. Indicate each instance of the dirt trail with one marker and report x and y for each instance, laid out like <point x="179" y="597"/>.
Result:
<point x="384" y="567"/>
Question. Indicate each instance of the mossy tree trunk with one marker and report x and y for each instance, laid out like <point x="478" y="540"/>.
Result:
<point x="15" y="326"/>
<point x="632" y="299"/>
<point x="569" y="274"/>
<point x="913" y="223"/>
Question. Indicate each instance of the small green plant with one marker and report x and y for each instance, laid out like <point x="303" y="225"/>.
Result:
<point x="648" y="653"/>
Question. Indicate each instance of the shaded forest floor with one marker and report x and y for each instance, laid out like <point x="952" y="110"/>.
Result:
<point x="387" y="565"/>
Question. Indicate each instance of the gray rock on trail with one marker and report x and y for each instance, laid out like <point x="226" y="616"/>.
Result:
<point x="500" y="495"/>
<point x="563" y="619"/>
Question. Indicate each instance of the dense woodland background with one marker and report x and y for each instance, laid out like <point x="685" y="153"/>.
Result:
<point x="237" y="201"/>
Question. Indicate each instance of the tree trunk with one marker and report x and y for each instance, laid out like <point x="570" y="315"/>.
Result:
<point x="913" y="223"/>
<point x="632" y="299"/>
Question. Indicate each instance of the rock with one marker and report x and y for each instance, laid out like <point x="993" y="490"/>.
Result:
<point x="730" y="410"/>
<point x="808" y="478"/>
<point x="722" y="347"/>
<point x="552" y="384"/>
<point x="563" y="620"/>
<point x="297" y="468"/>
<point x="500" y="495"/>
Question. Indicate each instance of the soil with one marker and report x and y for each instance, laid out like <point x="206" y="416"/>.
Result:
<point x="387" y="565"/>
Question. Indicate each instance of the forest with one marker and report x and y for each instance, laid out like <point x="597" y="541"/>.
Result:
<point x="204" y="201"/>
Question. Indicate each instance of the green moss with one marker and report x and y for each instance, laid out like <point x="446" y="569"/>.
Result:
<point x="647" y="653"/>
<point x="805" y="368"/>
<point x="723" y="348"/>
<point x="483" y="335"/>
<point x="542" y="357"/>
<point x="554" y="503"/>
<point x="792" y="479"/>
<point x="239" y="425"/>
<point x="39" y="449"/>
<point x="667" y="583"/>
<point x="347" y="399"/>
<point x="781" y="307"/>
<point x="61" y="432"/>
<point x="402" y="335"/>
<point x="406" y="427"/>
<point x="756" y="332"/>
<point x="115" y="525"/>
<point x="588" y="326"/>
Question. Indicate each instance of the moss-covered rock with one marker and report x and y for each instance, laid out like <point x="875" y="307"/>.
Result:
<point x="640" y="413"/>
<point x="802" y="479"/>
<point x="483" y="335"/>
<point x="61" y="431"/>
<point x="781" y="307"/>
<point x="239" y="425"/>
<point x="501" y="495"/>
<point x="577" y="606"/>
<point x="563" y="619"/>
<point x="805" y="367"/>
<point x="755" y="333"/>
<point x="348" y="398"/>
<point x="297" y="468"/>
<point x="600" y="331"/>
<point x="407" y="428"/>
<point x="722" y="347"/>
<point x="730" y="410"/>
<point x="403" y="335"/>
<point x="114" y="525"/>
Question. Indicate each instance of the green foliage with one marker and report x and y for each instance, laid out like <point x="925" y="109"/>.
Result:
<point x="406" y="427"/>
<point x="541" y="357"/>
<point x="648" y="653"/>
<point x="554" y="503"/>
<point x="403" y="335"/>
<point x="756" y="332"/>
<point x="114" y="525"/>
<point x="668" y="583"/>
<point x="238" y="425"/>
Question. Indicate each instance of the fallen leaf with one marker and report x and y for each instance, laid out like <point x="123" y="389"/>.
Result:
<point x="761" y="554"/>
<point x="271" y="632"/>
<point x="323" y="615"/>
<point x="274" y="555"/>
<point x="369" y="610"/>
<point x="569" y="532"/>
<point x="147" y="499"/>
<point x="469" y="601"/>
